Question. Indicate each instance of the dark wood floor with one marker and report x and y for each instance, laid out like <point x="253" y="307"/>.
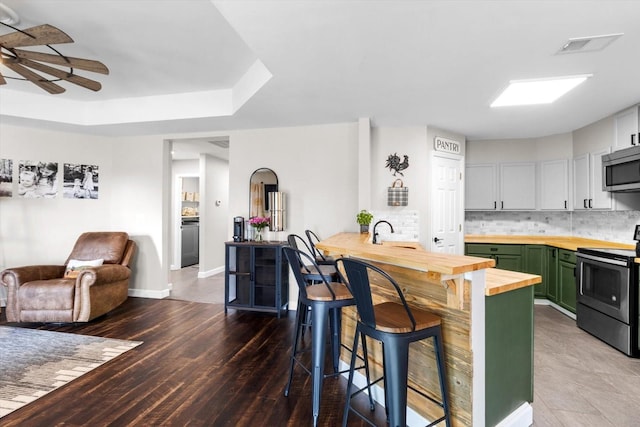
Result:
<point x="197" y="367"/>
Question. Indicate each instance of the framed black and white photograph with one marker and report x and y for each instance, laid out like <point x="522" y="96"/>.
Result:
<point x="80" y="181"/>
<point x="6" y="177"/>
<point x="37" y="179"/>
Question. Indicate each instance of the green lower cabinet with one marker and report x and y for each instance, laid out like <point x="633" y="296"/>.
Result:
<point x="556" y="266"/>
<point x="509" y="353"/>
<point x="567" y="280"/>
<point x="507" y="257"/>
<point x="535" y="262"/>
<point x="551" y="276"/>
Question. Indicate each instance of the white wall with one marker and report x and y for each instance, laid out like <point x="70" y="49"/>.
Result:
<point x="214" y="217"/>
<point x="131" y="198"/>
<point x="317" y="169"/>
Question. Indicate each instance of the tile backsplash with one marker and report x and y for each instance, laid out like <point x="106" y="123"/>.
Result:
<point x="615" y="226"/>
<point x="406" y="225"/>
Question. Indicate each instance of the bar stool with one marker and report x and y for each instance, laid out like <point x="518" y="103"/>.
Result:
<point x="317" y="254"/>
<point x="320" y="272"/>
<point x="325" y="300"/>
<point x="327" y="268"/>
<point x="396" y="326"/>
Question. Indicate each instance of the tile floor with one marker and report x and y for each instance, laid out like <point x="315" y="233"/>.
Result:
<point x="188" y="287"/>
<point x="579" y="381"/>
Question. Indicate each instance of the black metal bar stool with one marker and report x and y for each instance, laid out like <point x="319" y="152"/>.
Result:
<point x="396" y="326"/>
<point x="325" y="300"/>
<point x="323" y="271"/>
<point x="317" y="254"/>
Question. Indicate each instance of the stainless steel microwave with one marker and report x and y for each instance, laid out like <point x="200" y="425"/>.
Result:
<point x="621" y="170"/>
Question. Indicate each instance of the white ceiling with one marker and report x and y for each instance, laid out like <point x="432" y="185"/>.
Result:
<point x="179" y="66"/>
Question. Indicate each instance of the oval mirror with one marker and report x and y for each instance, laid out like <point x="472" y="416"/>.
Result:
<point x="262" y="182"/>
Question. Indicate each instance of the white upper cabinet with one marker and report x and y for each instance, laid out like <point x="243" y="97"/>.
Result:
<point x="554" y="185"/>
<point x="627" y="129"/>
<point x="587" y="183"/>
<point x="481" y="187"/>
<point x="518" y="186"/>
<point x="503" y="186"/>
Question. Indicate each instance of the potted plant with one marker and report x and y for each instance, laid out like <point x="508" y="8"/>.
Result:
<point x="364" y="218"/>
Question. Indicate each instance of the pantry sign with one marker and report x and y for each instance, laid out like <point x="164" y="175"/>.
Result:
<point x="447" y="145"/>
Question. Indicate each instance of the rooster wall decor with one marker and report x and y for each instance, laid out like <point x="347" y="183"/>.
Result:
<point x="395" y="165"/>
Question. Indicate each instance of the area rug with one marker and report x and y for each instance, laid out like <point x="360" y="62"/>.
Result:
<point x="34" y="362"/>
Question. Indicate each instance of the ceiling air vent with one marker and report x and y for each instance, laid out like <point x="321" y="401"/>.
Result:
<point x="587" y="44"/>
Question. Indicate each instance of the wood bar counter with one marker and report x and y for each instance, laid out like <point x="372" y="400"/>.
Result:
<point x="487" y="320"/>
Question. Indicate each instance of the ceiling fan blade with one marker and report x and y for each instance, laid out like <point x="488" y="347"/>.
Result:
<point x="83" y="64"/>
<point x="40" y="35"/>
<point x="33" y="77"/>
<point x="2" y="80"/>
<point x="61" y="74"/>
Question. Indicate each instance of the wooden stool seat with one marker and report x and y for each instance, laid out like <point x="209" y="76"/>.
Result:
<point x="392" y="317"/>
<point x="322" y="293"/>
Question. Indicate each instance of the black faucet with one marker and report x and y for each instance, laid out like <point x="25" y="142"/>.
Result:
<point x="375" y="234"/>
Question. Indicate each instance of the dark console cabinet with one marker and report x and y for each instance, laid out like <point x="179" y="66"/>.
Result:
<point x="256" y="277"/>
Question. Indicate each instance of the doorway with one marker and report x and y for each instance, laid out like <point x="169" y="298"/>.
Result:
<point x="199" y="218"/>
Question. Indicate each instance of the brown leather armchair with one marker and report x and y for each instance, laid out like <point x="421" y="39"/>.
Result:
<point x="42" y="293"/>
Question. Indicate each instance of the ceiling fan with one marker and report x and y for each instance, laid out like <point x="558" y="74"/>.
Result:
<point x="26" y="62"/>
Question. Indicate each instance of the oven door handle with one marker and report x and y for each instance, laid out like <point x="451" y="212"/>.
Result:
<point x="605" y="260"/>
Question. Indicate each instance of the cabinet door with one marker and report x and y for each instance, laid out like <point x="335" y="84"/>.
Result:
<point x="264" y="275"/>
<point x="551" y="274"/>
<point x="238" y="276"/>
<point x="535" y="262"/>
<point x="517" y="186"/>
<point x="480" y="187"/>
<point x="554" y="185"/>
<point x="626" y="128"/>
<point x="599" y="199"/>
<point x="509" y="262"/>
<point x="581" y="184"/>
<point x="567" y="280"/>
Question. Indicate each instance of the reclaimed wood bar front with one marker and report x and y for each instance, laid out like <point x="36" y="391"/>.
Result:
<point x="487" y="320"/>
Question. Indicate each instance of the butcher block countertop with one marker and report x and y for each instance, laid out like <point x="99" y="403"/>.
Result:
<point x="499" y="281"/>
<point x="562" y="242"/>
<point x="358" y="245"/>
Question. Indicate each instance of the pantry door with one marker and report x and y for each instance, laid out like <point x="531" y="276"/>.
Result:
<point x="447" y="211"/>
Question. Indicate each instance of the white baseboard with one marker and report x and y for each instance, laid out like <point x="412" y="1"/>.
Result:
<point x="359" y="380"/>
<point x="146" y="293"/>
<point x="521" y="417"/>
<point x="209" y="273"/>
<point x="543" y="301"/>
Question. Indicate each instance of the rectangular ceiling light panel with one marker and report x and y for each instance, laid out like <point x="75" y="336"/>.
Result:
<point x="537" y="91"/>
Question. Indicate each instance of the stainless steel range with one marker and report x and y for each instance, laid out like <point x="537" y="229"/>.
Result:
<point x="608" y="297"/>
